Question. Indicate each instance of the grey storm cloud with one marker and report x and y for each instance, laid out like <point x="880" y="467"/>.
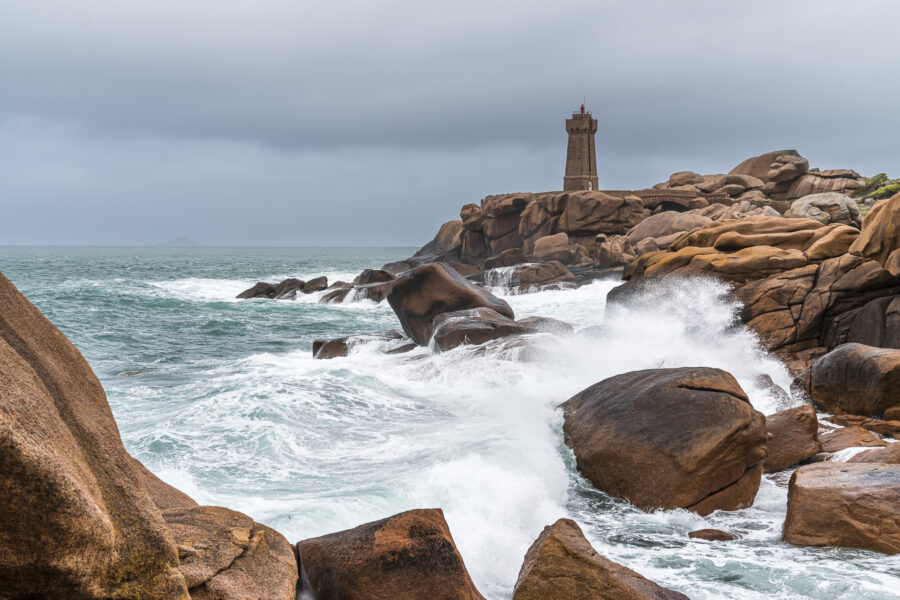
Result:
<point x="307" y="122"/>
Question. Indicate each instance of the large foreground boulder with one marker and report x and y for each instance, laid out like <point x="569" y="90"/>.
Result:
<point x="75" y="518"/>
<point x="562" y="565"/>
<point x="856" y="379"/>
<point x="225" y="555"/>
<point x="846" y="505"/>
<point x="669" y="438"/>
<point x="405" y="557"/>
<point x="794" y="437"/>
<point x="419" y="295"/>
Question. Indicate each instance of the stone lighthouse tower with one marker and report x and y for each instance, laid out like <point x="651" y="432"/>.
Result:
<point x="581" y="158"/>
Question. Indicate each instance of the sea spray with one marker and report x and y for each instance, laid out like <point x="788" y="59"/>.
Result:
<point x="223" y="398"/>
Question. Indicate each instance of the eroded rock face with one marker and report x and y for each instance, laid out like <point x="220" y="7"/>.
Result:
<point x="76" y="520"/>
<point x="794" y="437"/>
<point x="562" y="565"/>
<point x="419" y="295"/>
<point x="405" y="557"/>
<point x="447" y="237"/>
<point x="225" y="555"/>
<point x="664" y="224"/>
<point x="759" y="166"/>
<point x="848" y="505"/>
<point x="826" y="208"/>
<point x="590" y="213"/>
<point x="669" y="438"/>
<point x="857" y="379"/>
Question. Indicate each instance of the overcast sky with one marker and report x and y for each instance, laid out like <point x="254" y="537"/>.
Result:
<point x="298" y="122"/>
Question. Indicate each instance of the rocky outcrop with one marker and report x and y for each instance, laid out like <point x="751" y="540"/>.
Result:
<point x="317" y="284"/>
<point x="880" y="236"/>
<point x="562" y="565"/>
<point x="259" y="290"/>
<point x="555" y="247"/>
<point x="423" y="293"/>
<point x="793" y="437"/>
<point x="590" y="213"/>
<point x="75" y="518"/>
<point x="448" y="237"/>
<point x="826" y="208"/>
<point x="845" y="505"/>
<point x="856" y="379"/>
<point x="761" y="166"/>
<point x="669" y="438"/>
<point x="405" y="557"/>
<point x="225" y="555"/>
<point x="500" y="220"/>
<point x="664" y="225"/>
<point x="474" y="326"/>
<point x="389" y="342"/>
<point x="529" y="276"/>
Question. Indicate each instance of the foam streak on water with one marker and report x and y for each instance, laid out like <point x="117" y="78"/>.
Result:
<point x="223" y="399"/>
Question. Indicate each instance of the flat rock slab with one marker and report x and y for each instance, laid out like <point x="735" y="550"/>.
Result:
<point x="852" y="505"/>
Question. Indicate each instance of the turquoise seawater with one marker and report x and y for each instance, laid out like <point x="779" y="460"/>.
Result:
<point x="223" y="399"/>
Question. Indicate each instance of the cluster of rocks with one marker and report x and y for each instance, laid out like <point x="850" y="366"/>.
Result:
<point x="81" y="518"/>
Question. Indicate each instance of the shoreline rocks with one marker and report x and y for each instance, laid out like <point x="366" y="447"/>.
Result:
<point x="407" y="556"/>
<point x="669" y="438"/>
<point x="844" y="505"/>
<point x="562" y="565"/>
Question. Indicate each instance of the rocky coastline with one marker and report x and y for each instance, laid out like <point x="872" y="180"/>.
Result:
<point x="812" y="256"/>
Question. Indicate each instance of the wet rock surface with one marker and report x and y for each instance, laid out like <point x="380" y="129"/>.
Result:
<point x="562" y="564"/>
<point x="846" y="505"/>
<point x="408" y="556"/>
<point x="669" y="438"/>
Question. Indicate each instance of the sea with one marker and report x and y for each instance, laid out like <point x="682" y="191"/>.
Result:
<point x="223" y="399"/>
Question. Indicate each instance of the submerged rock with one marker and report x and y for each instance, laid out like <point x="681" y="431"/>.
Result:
<point x="669" y="438"/>
<point x="713" y="535"/>
<point x="794" y="437"/>
<point x="845" y="505"/>
<point x="423" y="293"/>
<point x="562" y="565"/>
<point x="405" y="557"/>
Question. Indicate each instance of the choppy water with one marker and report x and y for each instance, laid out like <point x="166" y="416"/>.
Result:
<point x="222" y="398"/>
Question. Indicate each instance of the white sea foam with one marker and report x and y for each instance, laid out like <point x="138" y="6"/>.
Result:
<point x="311" y="446"/>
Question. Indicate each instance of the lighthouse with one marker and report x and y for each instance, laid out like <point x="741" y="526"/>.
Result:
<point x="581" y="158"/>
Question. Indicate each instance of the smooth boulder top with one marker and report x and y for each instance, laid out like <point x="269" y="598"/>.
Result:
<point x="849" y="505"/>
<point x="473" y="326"/>
<point x="408" y="556"/>
<point x="75" y="516"/>
<point x="423" y="293"/>
<point x="562" y="565"/>
<point x="857" y="379"/>
<point x="825" y="207"/>
<point x="669" y="438"/>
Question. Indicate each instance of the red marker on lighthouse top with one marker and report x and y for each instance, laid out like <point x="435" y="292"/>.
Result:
<point x="582" y="110"/>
